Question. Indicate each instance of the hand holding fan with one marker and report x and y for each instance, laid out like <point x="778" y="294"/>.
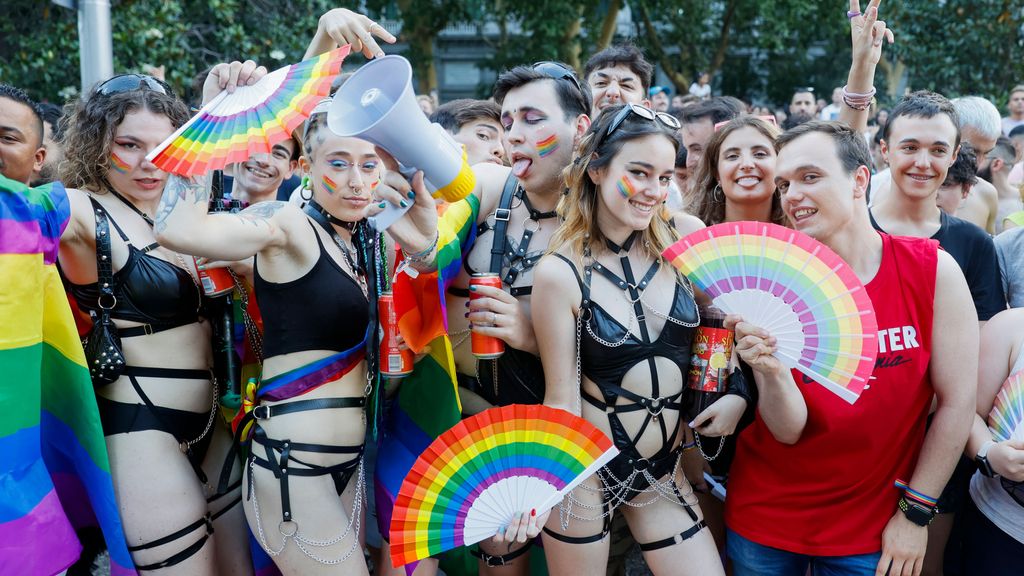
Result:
<point x="250" y="120"/>
<point x="474" y="478"/>
<point x="1006" y="420"/>
<point x="794" y="287"/>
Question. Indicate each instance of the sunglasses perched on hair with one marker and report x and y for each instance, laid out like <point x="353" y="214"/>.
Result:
<point x="770" y="118"/>
<point x="800" y="89"/>
<point x="559" y="72"/>
<point x="665" y="119"/>
<point x="129" y="82"/>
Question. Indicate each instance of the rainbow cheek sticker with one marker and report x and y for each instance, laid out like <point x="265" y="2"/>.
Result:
<point x="625" y="187"/>
<point x="547" y="146"/>
<point x="330" y="185"/>
<point x="374" y="184"/>
<point x="119" y="166"/>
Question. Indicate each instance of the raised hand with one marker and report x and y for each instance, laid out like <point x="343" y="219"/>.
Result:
<point x="228" y="76"/>
<point x="347" y="27"/>
<point x="868" y="33"/>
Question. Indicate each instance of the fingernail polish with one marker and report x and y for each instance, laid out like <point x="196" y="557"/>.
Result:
<point x="403" y="203"/>
<point x="533" y="511"/>
<point x="467" y="303"/>
<point x="471" y="289"/>
<point x="382" y="205"/>
<point x="411" y="195"/>
<point x="690" y="424"/>
<point x="467" y="314"/>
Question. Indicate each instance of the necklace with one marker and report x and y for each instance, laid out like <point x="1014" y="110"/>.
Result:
<point x="324" y="219"/>
<point x="131" y="206"/>
<point x="148" y="220"/>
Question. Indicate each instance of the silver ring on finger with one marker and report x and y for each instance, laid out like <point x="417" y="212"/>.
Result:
<point x="494" y="319"/>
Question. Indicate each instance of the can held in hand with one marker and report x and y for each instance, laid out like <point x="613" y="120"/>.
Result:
<point x="711" y="352"/>
<point x="485" y="347"/>
<point x="215" y="282"/>
<point x="395" y="362"/>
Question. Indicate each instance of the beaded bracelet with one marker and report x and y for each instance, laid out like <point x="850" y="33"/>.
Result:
<point x="858" y="101"/>
<point x="422" y="254"/>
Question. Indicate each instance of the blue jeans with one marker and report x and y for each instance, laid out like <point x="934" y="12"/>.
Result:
<point x="752" y="559"/>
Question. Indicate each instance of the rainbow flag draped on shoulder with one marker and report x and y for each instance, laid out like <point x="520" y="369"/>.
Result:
<point x="54" y="474"/>
<point x="428" y="399"/>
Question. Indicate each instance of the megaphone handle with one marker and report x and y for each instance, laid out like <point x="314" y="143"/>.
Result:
<point x="387" y="217"/>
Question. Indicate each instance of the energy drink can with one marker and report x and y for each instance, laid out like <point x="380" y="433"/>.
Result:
<point x="395" y="362"/>
<point x="711" y="353"/>
<point x="485" y="347"/>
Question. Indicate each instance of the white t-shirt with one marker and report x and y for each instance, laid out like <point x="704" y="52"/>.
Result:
<point x="700" y="91"/>
<point x="1010" y="124"/>
<point x="992" y="500"/>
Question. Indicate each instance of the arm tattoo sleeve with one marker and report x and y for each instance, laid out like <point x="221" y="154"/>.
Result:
<point x="178" y="188"/>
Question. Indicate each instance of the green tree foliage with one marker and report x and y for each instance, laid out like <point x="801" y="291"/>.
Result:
<point x="39" y="41"/>
<point x="759" y="50"/>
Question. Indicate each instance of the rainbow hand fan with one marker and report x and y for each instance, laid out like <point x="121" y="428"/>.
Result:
<point x="474" y="478"/>
<point x="234" y="126"/>
<point x="1006" y="420"/>
<point x="794" y="287"/>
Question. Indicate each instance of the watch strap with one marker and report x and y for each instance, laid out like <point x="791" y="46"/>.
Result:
<point x="917" y="513"/>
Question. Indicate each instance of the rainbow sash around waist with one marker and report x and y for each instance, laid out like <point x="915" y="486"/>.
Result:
<point x="305" y="378"/>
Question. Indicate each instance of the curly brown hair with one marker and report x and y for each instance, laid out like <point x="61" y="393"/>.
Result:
<point x="89" y="126"/>
<point x="710" y="203"/>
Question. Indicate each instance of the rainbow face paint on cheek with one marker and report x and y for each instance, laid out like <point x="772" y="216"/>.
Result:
<point x="330" y="185"/>
<point x="119" y="166"/>
<point x="625" y="187"/>
<point x="547" y="146"/>
<point x="374" y="184"/>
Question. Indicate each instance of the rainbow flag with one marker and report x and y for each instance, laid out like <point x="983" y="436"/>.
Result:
<point x="54" y="474"/>
<point x="428" y="399"/>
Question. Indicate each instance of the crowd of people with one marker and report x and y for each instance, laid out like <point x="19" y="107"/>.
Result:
<point x="583" y="178"/>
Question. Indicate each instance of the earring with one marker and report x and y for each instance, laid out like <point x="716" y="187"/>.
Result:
<point x="717" y="193"/>
<point x="305" y="191"/>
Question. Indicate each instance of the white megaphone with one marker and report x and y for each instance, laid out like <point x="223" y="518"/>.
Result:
<point x="377" y="104"/>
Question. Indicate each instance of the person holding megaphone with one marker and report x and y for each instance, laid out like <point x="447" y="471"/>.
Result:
<point x="315" y="269"/>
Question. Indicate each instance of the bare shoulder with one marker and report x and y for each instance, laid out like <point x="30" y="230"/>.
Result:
<point x="555" y="277"/>
<point x="490" y="181"/>
<point x="686" y="223"/>
<point x="81" y="223"/>
<point x="985" y="190"/>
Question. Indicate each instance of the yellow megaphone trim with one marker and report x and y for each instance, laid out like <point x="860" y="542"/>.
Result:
<point x="461" y="186"/>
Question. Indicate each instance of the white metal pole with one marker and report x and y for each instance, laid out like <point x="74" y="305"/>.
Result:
<point x="96" y="50"/>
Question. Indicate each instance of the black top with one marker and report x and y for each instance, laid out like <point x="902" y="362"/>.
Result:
<point x="974" y="251"/>
<point x="148" y="290"/>
<point x="325" y="309"/>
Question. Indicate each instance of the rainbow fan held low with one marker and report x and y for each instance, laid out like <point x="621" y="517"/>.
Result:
<point x="1006" y="420"/>
<point x="251" y="120"/>
<point x="475" y="477"/>
<point x="794" y="287"/>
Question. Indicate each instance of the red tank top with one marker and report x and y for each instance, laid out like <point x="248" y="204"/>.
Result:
<point x="832" y="493"/>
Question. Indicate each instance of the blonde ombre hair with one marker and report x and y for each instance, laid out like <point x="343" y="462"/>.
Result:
<point x="578" y="207"/>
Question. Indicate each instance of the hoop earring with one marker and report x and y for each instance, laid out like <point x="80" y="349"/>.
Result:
<point x="717" y="195"/>
<point x="305" y="187"/>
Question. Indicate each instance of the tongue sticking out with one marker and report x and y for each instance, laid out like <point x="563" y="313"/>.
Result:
<point x="519" y="167"/>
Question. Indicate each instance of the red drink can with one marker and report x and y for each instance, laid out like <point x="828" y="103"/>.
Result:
<point x="215" y="282"/>
<point x="711" y="353"/>
<point x="395" y="362"/>
<point x="485" y="347"/>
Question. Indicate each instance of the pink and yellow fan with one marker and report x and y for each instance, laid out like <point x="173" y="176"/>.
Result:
<point x="797" y="289"/>
<point x="474" y="478"/>
<point x="1006" y="420"/>
<point x="250" y="120"/>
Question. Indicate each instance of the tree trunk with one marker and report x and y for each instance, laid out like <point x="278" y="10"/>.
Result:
<point x="723" y="38"/>
<point x="678" y="79"/>
<point x="571" y="41"/>
<point x="893" y="75"/>
<point x="608" y="25"/>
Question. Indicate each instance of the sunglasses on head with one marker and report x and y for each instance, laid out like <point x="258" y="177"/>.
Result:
<point x="129" y="82"/>
<point x="665" y="119"/>
<point x="559" y="72"/>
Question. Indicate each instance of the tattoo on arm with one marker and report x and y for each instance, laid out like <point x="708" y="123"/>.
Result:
<point x="180" y="188"/>
<point x="261" y="212"/>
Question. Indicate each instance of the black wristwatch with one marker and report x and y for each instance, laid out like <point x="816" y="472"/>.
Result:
<point x="982" y="459"/>
<point x="916" y="513"/>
